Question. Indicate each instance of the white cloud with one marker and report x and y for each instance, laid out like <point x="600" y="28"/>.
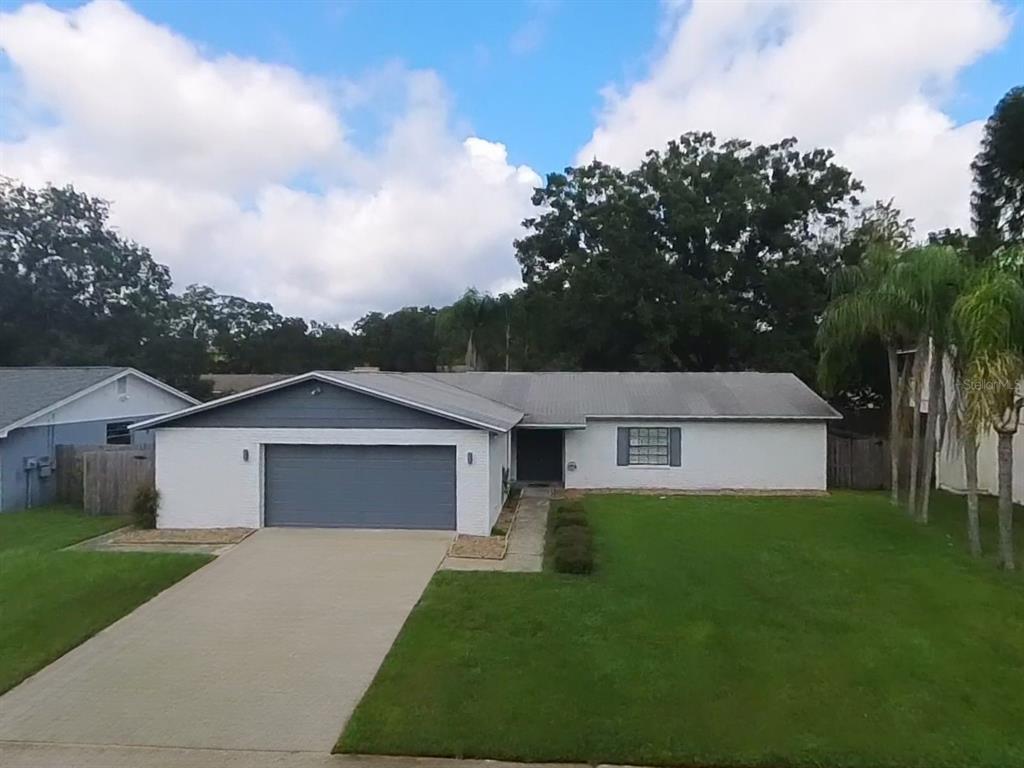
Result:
<point x="240" y="174"/>
<point x="866" y="79"/>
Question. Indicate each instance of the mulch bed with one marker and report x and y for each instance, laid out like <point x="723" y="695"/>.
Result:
<point x="181" y="536"/>
<point x="487" y="547"/>
<point x="503" y="524"/>
<point x="481" y="547"/>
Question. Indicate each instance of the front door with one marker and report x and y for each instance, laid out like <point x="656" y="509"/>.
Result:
<point x="539" y="455"/>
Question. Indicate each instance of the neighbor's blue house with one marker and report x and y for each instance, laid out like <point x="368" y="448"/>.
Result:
<point x="41" y="408"/>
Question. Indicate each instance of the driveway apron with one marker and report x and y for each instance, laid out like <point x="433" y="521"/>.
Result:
<point x="269" y="647"/>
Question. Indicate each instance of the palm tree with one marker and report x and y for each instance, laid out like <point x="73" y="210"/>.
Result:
<point x="917" y="364"/>
<point x="930" y="279"/>
<point x="990" y="322"/>
<point x="866" y="305"/>
<point x="466" y="317"/>
<point x="962" y="436"/>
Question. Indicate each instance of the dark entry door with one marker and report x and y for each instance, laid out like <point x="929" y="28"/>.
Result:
<point x="360" y="486"/>
<point x="539" y="455"/>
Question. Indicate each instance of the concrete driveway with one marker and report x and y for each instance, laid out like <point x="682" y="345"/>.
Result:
<point x="269" y="647"/>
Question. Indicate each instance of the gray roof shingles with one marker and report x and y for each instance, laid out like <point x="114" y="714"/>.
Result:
<point x="570" y="397"/>
<point x="502" y="400"/>
<point x="434" y="394"/>
<point x="24" y="391"/>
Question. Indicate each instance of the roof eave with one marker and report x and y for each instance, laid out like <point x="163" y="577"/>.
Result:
<point x="717" y="417"/>
<point x="326" y="379"/>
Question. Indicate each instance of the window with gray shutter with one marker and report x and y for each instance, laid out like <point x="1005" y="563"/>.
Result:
<point x="649" y="447"/>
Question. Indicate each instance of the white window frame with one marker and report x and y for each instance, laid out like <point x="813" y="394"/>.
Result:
<point x="646" y="446"/>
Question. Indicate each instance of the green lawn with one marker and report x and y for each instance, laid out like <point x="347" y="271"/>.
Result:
<point x="721" y="631"/>
<point x="51" y="601"/>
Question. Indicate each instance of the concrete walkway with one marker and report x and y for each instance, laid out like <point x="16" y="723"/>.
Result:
<point x="525" y="552"/>
<point x="269" y="647"/>
<point x="67" y="756"/>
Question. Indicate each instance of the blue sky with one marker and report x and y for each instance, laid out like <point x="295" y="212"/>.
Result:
<point x="344" y="155"/>
<point x="529" y="71"/>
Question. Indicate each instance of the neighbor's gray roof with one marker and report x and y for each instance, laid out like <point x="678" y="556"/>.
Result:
<point x="24" y="391"/>
<point x="436" y="395"/>
<point x="231" y="383"/>
<point x="568" y="398"/>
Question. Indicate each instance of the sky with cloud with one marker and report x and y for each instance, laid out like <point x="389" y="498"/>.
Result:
<point x="339" y="157"/>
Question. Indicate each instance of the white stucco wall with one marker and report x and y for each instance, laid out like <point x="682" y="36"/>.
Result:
<point x="716" y="455"/>
<point x="205" y="483"/>
<point x="140" y="399"/>
<point x="499" y="457"/>
<point x="949" y="461"/>
<point x="949" y="467"/>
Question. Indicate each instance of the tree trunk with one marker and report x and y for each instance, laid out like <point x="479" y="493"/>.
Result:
<point x="904" y="393"/>
<point x="1005" y="453"/>
<point x="470" y="352"/>
<point x="915" y="433"/>
<point x="935" y="396"/>
<point x="971" y="475"/>
<point x="508" y="345"/>
<point x="895" y="442"/>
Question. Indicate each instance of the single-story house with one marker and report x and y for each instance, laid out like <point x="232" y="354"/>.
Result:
<point x="438" y="450"/>
<point x="41" y="408"/>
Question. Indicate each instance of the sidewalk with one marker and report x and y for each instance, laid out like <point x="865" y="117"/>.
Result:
<point x="34" y="755"/>
<point x="525" y="552"/>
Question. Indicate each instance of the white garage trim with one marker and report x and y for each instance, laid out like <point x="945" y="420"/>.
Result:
<point x="205" y="481"/>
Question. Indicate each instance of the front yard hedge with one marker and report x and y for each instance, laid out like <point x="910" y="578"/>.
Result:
<point x="573" y="541"/>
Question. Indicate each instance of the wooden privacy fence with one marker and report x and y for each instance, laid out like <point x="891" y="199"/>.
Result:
<point x="103" y="479"/>
<point x="857" y="461"/>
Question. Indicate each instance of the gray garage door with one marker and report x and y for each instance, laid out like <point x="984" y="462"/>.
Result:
<point x="360" y="486"/>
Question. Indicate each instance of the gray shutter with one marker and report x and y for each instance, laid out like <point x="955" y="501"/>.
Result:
<point x="622" y="458"/>
<point x="675" y="446"/>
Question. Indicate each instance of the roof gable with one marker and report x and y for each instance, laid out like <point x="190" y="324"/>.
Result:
<point x="29" y="392"/>
<point x="25" y="391"/>
<point x="426" y="396"/>
<point x="314" y="404"/>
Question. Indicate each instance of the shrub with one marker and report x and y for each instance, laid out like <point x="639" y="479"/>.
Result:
<point x="574" y="518"/>
<point x="573" y="545"/>
<point x="569" y="513"/>
<point x="572" y="507"/>
<point x="575" y="556"/>
<point x="145" y="506"/>
<point x="571" y="535"/>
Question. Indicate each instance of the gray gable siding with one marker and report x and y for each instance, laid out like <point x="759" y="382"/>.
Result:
<point x="334" y="407"/>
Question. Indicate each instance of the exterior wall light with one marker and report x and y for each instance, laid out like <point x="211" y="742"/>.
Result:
<point x="245" y="454"/>
<point x="469" y="457"/>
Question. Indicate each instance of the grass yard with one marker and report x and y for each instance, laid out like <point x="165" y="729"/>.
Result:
<point x="51" y="601"/>
<point x="721" y="631"/>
